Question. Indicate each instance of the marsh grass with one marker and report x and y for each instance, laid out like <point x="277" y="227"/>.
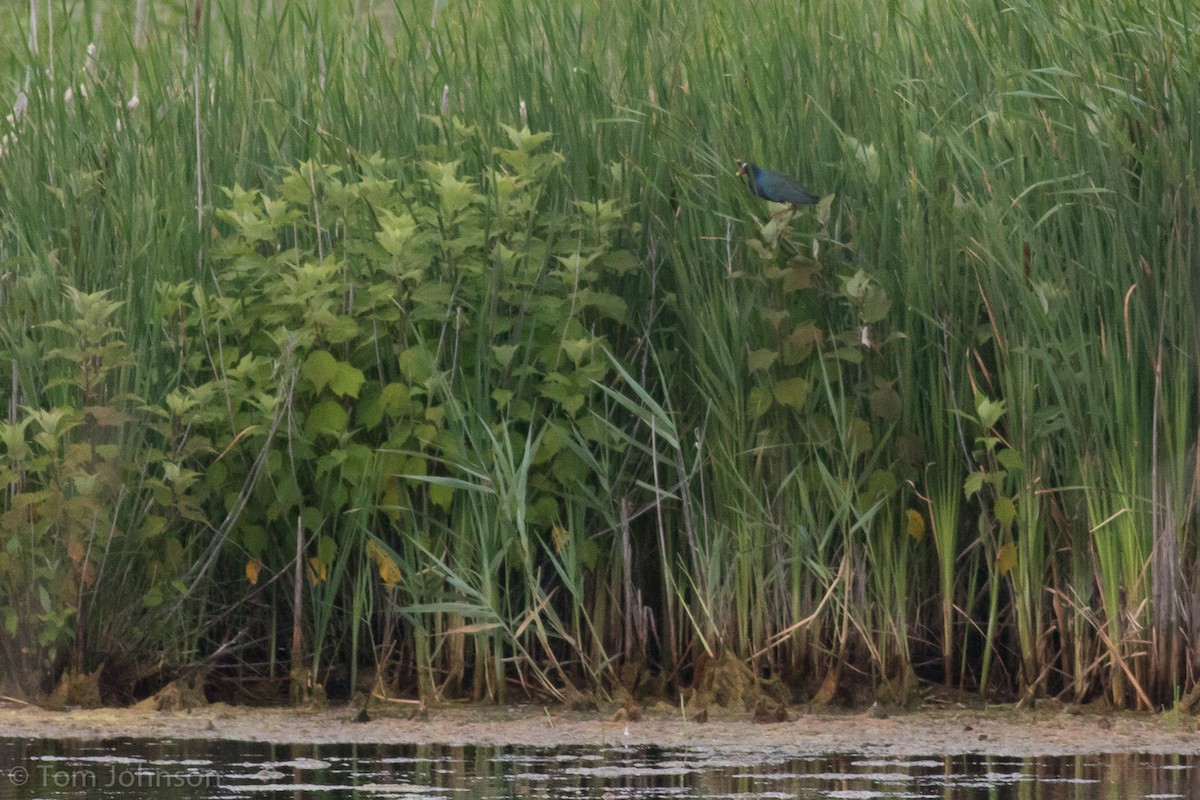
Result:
<point x="777" y="449"/>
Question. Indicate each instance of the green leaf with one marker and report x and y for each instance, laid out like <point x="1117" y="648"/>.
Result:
<point x="569" y="469"/>
<point x="885" y="403"/>
<point x="1010" y="459"/>
<point x="573" y="403"/>
<point x="762" y="359"/>
<point x="610" y="305"/>
<point x="326" y="548"/>
<point x="973" y="484"/>
<point x="319" y="369"/>
<point x="441" y="495"/>
<point x="504" y="354"/>
<point x="454" y="194"/>
<point x="1005" y="511"/>
<point x="254" y="539"/>
<point x="501" y="396"/>
<point x="341" y="329"/>
<point x="800" y="343"/>
<point x="326" y="417"/>
<point x="881" y="484"/>
<point x="759" y="401"/>
<point x="860" y="436"/>
<point x="856" y="286"/>
<point x="797" y="278"/>
<point x="989" y="411"/>
<point x="791" y="392"/>
<point x="576" y="349"/>
<point x="397" y="231"/>
<point x="347" y="380"/>
<point x="619" y="261"/>
<point x="875" y="305"/>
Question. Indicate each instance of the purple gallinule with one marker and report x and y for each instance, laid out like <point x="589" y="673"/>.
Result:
<point x="775" y="186"/>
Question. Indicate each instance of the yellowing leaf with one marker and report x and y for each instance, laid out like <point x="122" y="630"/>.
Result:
<point x="916" y="524"/>
<point x="75" y="551"/>
<point x="560" y="537"/>
<point x="389" y="570"/>
<point x="1006" y="559"/>
<point x="474" y="628"/>
<point x="253" y="567"/>
<point x="317" y="571"/>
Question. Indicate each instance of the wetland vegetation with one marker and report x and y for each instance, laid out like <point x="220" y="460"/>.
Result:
<point x="437" y="349"/>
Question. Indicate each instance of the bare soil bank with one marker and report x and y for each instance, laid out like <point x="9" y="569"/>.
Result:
<point x="1002" y="731"/>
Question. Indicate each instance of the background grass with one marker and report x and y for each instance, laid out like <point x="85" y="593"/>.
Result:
<point x="944" y="427"/>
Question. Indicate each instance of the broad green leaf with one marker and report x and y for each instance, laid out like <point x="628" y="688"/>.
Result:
<point x="319" y="369"/>
<point x="504" y="354"/>
<point x="885" y="403"/>
<point x="619" y="261"/>
<point x="1005" y="511"/>
<point x="572" y="403"/>
<point x="791" y="392"/>
<point x="569" y="469"/>
<point x="501" y="396"/>
<point x="254" y="539"/>
<point x="759" y="401"/>
<point x="762" y="359"/>
<point x="800" y="343"/>
<point x="610" y="305"/>
<point x="347" y="380"/>
<point x="875" y="305"/>
<point x="326" y="417"/>
<point x="797" y="278"/>
<point x="441" y="495"/>
<point x="397" y="231"/>
<point x="576" y="349"/>
<point x="881" y="484"/>
<point x="1010" y="459"/>
<point x="859" y="433"/>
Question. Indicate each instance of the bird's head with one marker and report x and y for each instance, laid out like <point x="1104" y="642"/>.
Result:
<point x="744" y="167"/>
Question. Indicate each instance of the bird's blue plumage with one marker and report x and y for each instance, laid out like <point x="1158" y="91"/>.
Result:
<point x="777" y="187"/>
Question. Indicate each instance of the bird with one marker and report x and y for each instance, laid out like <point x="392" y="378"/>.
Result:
<point x="776" y="186"/>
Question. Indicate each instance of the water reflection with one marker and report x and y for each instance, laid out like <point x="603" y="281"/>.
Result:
<point x="227" y="770"/>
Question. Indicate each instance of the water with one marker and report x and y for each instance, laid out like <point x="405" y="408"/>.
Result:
<point x="205" y="769"/>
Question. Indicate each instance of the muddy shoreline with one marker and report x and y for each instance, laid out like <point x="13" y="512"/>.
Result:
<point x="1001" y="731"/>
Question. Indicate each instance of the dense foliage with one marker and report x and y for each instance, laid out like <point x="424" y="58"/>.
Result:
<point x="441" y="347"/>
